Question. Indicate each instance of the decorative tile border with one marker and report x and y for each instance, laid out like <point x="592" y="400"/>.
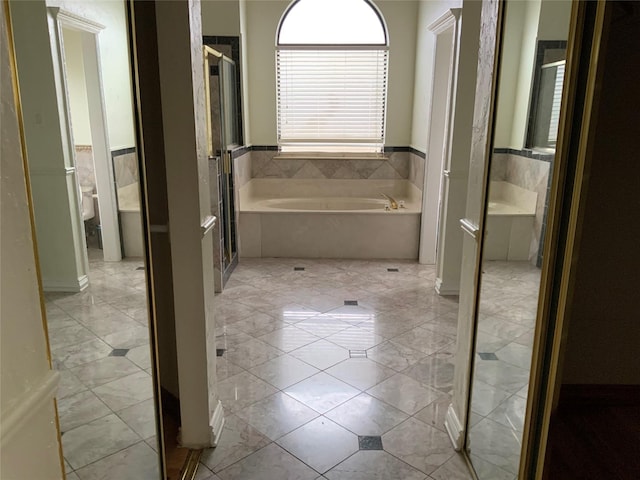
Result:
<point x="528" y="153"/>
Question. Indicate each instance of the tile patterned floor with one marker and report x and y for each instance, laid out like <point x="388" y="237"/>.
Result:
<point x="99" y="343"/>
<point x="305" y="375"/>
<point x="508" y="305"/>
<point x="313" y="383"/>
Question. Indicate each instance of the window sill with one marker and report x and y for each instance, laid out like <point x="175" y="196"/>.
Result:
<point x="330" y="156"/>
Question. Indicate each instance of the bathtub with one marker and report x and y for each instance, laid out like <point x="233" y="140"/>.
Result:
<point x="509" y="227"/>
<point x="328" y="219"/>
<point x="130" y="220"/>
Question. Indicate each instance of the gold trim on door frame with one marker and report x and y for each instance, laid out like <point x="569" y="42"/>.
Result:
<point x="541" y="405"/>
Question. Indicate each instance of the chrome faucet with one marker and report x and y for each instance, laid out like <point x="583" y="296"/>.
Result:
<point x="392" y="201"/>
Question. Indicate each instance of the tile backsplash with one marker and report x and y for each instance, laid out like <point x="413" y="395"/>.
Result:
<point x="399" y="165"/>
<point x="84" y="165"/>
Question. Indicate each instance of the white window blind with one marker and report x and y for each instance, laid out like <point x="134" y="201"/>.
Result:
<point x="331" y="99"/>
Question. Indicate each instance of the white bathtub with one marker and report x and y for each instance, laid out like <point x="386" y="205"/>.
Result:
<point x="328" y="219"/>
<point x="130" y="220"/>
<point x="510" y="216"/>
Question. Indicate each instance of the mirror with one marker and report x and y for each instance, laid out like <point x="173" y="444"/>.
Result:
<point x="527" y="109"/>
<point x="73" y="66"/>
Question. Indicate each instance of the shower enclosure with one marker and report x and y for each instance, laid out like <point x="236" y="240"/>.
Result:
<point x="223" y="129"/>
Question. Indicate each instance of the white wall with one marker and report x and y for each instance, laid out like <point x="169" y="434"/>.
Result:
<point x="27" y="383"/>
<point x="77" y="87"/>
<point x="262" y="18"/>
<point x="221" y="17"/>
<point x="114" y="57"/>
<point x="428" y="12"/>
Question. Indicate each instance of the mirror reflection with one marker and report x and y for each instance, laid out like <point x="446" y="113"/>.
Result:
<point x="73" y="67"/>
<point x="525" y="133"/>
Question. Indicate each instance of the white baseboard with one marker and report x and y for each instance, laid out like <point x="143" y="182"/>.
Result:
<point x="217" y="424"/>
<point x="454" y="429"/>
<point x="442" y="289"/>
<point x="62" y="286"/>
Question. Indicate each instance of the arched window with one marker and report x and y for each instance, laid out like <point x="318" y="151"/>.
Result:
<point x="332" y="62"/>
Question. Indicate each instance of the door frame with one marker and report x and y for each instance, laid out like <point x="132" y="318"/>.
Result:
<point x="439" y="145"/>
<point x="58" y="20"/>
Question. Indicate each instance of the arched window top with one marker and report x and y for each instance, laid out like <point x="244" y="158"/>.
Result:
<point x="332" y="22"/>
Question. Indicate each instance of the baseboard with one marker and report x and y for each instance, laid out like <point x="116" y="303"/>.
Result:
<point x="217" y="424"/>
<point x="572" y="395"/>
<point x="454" y="429"/>
<point x="60" y="286"/>
<point x="444" y="290"/>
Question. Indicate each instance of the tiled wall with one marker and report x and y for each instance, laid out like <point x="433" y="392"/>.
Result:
<point x="84" y="165"/>
<point x="125" y="166"/>
<point x="529" y="171"/>
<point x="400" y="165"/>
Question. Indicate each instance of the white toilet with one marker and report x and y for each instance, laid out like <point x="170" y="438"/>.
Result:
<point x="88" y="211"/>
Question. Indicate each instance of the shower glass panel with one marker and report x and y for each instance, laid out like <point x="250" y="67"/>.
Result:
<point x="515" y="218"/>
<point x="224" y="138"/>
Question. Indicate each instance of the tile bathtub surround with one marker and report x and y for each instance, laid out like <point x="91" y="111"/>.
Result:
<point x="125" y="166"/>
<point x="530" y="171"/>
<point x="402" y="163"/>
<point x="323" y="400"/>
<point x="105" y="394"/>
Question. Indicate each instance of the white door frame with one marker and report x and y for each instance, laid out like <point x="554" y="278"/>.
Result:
<point x="439" y="142"/>
<point x="107" y="202"/>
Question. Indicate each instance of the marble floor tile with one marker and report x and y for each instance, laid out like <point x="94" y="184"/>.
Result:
<point x="373" y="465"/>
<point x="81" y="408"/>
<point x="277" y="415"/>
<point x="69" y="384"/>
<point x="435" y="413"/>
<point x="500" y="327"/>
<point x="251" y="353"/>
<point x="431" y="451"/>
<point x="496" y="444"/>
<point x="485" y="397"/>
<point x="270" y="463"/>
<point x="321" y="392"/>
<point x="321" y="443"/>
<point x="81" y="353"/>
<point x="489" y="343"/>
<point x="434" y="371"/>
<point x="455" y="468"/>
<point x="404" y="393"/>
<point x="70" y="335"/>
<point x="366" y="415"/>
<point x="284" y="371"/>
<point x="126" y="391"/>
<point x="500" y="374"/>
<point x="204" y="473"/>
<point x="102" y="437"/>
<point x="141" y="356"/>
<point x="137" y="461"/>
<point x="394" y="355"/>
<point x="238" y="440"/>
<point x="356" y="338"/>
<point x="241" y="390"/>
<point x="230" y="337"/>
<point x="362" y="373"/>
<point x="226" y="369"/>
<point x="104" y="371"/>
<point x="510" y="413"/>
<point x="128" y="338"/>
<point x="288" y="338"/>
<point x="488" y="471"/>
<point x="423" y="340"/>
<point x="516" y="354"/>
<point x="321" y="354"/>
<point x="322" y="325"/>
<point x="259" y="324"/>
<point x="141" y="418"/>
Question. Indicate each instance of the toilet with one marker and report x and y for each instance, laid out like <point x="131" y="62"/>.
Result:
<point x="88" y="211"/>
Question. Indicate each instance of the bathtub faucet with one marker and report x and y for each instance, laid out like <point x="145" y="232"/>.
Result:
<point x="394" y="204"/>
